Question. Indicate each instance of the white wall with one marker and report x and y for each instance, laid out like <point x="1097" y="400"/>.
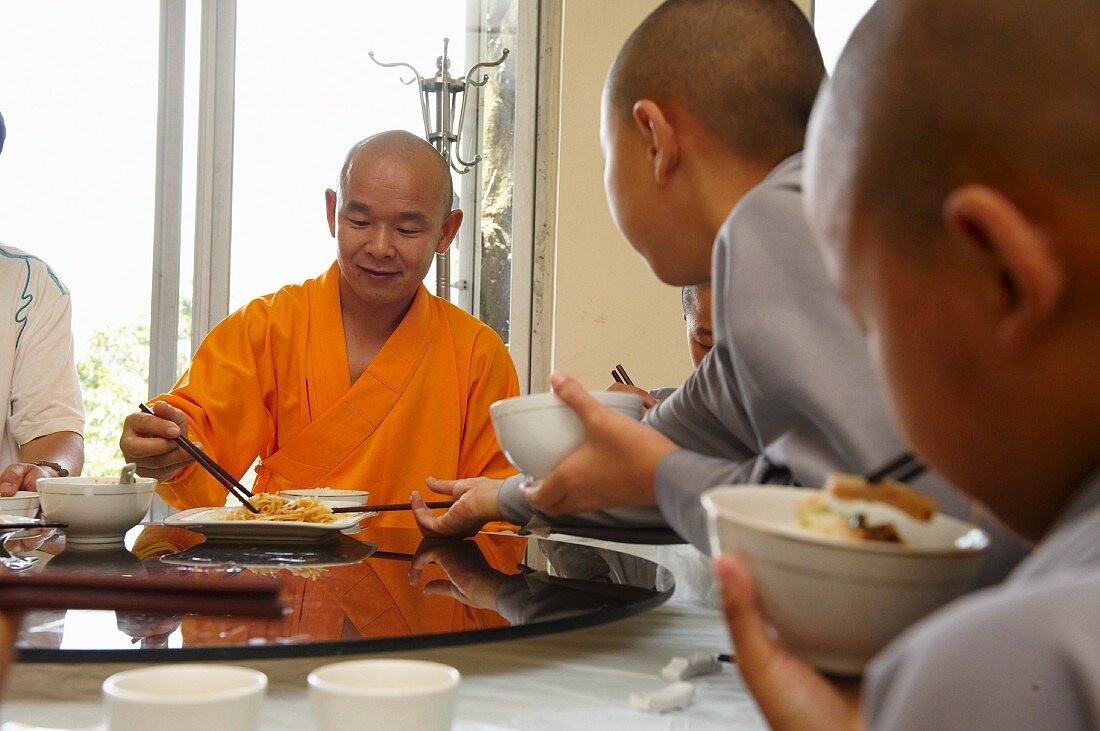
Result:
<point x="608" y="306"/>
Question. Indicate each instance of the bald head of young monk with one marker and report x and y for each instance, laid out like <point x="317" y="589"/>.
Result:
<point x="954" y="176"/>
<point x="703" y="100"/>
<point x="390" y="214"/>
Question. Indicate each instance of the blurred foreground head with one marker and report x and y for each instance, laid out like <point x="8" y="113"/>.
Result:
<point x="954" y="178"/>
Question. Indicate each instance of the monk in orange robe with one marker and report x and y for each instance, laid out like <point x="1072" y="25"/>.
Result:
<point x="358" y="379"/>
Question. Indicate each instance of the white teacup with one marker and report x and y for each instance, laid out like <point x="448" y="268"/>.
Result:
<point x="373" y="695"/>
<point x="184" y="698"/>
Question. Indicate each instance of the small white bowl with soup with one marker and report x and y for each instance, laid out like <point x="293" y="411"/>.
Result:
<point x="99" y="510"/>
<point x="832" y="600"/>
<point x="332" y="497"/>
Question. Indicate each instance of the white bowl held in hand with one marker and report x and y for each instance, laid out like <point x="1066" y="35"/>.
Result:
<point x="23" y="503"/>
<point x="836" y="603"/>
<point x="185" y="698"/>
<point x="379" y="695"/>
<point x="98" y="510"/>
<point x="537" y="432"/>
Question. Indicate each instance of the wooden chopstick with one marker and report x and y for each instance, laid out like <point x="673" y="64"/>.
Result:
<point x="227" y="481"/>
<point x="388" y="508"/>
<point x="244" y="596"/>
<point x="32" y="524"/>
<point x="616" y="376"/>
<point x="901" y="468"/>
<point x="622" y="372"/>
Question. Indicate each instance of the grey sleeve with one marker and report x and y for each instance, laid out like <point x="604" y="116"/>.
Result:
<point x="515" y="509"/>
<point x="1003" y="659"/>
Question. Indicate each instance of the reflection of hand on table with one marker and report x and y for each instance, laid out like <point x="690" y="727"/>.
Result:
<point x="475" y="505"/>
<point x="470" y="578"/>
<point x="613" y="467"/>
<point x="791" y="694"/>
<point x="149" y="441"/>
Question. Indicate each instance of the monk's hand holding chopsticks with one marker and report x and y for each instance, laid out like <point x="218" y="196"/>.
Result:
<point x="613" y="467"/>
<point x="475" y="505"/>
<point x="148" y="440"/>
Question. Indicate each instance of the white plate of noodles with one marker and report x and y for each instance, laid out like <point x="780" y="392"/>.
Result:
<point x="280" y="520"/>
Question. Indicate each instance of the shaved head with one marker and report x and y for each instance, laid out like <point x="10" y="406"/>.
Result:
<point x="747" y="70"/>
<point x="930" y="95"/>
<point x="407" y="147"/>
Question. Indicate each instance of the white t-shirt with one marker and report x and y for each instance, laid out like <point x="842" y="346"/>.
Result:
<point x="37" y="369"/>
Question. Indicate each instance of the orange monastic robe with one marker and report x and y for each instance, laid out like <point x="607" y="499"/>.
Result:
<point x="272" y="381"/>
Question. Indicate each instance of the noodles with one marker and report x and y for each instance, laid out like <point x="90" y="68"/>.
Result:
<point x="274" y="507"/>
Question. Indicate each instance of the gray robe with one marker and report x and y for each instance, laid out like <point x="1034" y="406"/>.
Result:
<point x="787" y="395"/>
<point x="1024" y="655"/>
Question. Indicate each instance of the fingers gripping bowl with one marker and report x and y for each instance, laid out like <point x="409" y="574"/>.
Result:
<point x="538" y="431"/>
<point x="833" y="601"/>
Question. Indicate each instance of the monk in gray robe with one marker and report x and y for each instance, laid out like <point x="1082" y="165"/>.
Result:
<point x="703" y="121"/>
<point x="954" y="174"/>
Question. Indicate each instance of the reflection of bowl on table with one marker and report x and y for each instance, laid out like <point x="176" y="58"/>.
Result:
<point x="837" y="602"/>
<point x="114" y="560"/>
<point x="98" y="510"/>
<point x="23" y="503"/>
<point x="537" y="432"/>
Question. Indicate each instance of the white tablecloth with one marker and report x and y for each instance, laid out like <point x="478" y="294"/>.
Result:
<point x="574" y="680"/>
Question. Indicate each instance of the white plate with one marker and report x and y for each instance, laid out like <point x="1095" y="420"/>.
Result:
<point x="211" y="523"/>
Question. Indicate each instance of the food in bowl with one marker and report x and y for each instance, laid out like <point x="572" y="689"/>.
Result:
<point x="537" y="432"/>
<point x="836" y="603"/>
<point x="824" y="513"/>
<point x="816" y="516"/>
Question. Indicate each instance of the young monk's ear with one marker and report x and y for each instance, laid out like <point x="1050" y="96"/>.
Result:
<point x="330" y="206"/>
<point x="450" y="228"/>
<point x="664" y="151"/>
<point x="1027" y="269"/>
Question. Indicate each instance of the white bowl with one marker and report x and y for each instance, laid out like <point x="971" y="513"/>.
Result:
<point x="372" y="695"/>
<point x="98" y="510"/>
<point x="23" y="503"/>
<point x="185" y="698"/>
<point x="537" y="432"/>
<point x="836" y="603"/>
<point x="331" y="496"/>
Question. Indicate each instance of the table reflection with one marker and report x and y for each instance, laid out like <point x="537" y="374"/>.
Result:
<point x="382" y="589"/>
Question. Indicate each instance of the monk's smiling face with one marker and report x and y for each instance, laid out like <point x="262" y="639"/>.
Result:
<point x="392" y="215"/>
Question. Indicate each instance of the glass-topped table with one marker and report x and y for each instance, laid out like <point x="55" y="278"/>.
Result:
<point x="379" y="590"/>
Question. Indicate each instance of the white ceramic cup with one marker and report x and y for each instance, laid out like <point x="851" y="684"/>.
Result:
<point x="377" y="695"/>
<point x="23" y="504"/>
<point x="184" y="698"/>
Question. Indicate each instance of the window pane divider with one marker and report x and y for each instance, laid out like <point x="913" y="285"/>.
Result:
<point x="168" y="196"/>
<point x="214" y="194"/>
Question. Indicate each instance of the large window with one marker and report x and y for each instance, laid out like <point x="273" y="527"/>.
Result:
<point x="834" y="21"/>
<point x="169" y="161"/>
<point x="79" y="95"/>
